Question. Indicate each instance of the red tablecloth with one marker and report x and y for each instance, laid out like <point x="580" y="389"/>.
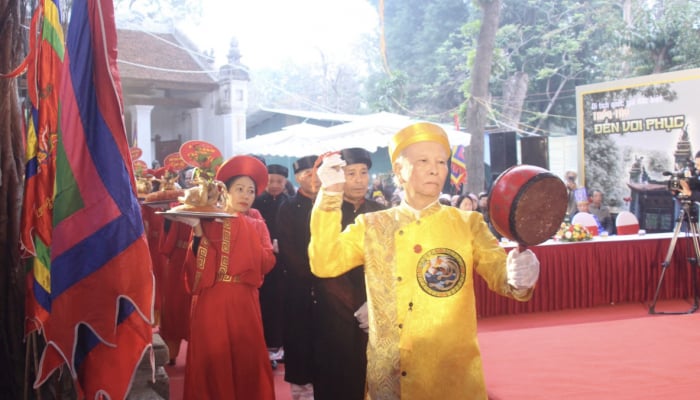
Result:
<point x="606" y="270"/>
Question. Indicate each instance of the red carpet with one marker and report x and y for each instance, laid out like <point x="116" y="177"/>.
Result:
<point x="614" y="352"/>
<point x="617" y="352"/>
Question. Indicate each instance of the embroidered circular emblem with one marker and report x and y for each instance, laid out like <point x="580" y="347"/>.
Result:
<point x="441" y="272"/>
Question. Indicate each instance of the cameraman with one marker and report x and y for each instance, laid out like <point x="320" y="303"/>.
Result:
<point x="691" y="185"/>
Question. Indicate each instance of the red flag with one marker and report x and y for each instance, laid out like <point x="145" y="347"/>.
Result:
<point x="44" y="67"/>
<point x="45" y="63"/>
<point x="99" y="300"/>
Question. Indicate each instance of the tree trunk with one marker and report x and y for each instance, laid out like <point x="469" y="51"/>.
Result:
<point x="514" y="93"/>
<point x="11" y="161"/>
<point x="477" y="103"/>
<point x="552" y="101"/>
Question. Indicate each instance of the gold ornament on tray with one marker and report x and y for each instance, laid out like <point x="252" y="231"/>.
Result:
<point x="168" y="179"/>
<point x="143" y="176"/>
<point x="168" y="191"/>
<point x="208" y="197"/>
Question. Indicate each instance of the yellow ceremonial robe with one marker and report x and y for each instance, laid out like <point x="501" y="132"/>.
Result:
<point x="419" y="272"/>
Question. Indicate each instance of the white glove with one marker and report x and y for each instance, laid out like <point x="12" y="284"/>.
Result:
<point x="522" y="269"/>
<point x="362" y="317"/>
<point x="330" y="172"/>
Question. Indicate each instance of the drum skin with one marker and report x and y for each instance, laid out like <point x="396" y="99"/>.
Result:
<point x="527" y="204"/>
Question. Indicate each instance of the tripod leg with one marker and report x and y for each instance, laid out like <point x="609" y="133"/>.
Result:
<point x="667" y="260"/>
<point x="693" y="231"/>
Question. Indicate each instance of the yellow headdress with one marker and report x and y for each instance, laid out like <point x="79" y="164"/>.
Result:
<point x="418" y="132"/>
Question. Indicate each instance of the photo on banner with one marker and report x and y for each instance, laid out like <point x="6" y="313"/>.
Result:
<point x="632" y="131"/>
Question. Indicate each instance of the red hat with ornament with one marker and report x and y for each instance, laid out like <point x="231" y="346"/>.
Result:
<point x="244" y="166"/>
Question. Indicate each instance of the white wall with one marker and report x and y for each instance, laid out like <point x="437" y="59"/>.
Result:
<point x="563" y="154"/>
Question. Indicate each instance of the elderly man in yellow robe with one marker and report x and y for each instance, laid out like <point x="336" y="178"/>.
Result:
<point x="419" y="258"/>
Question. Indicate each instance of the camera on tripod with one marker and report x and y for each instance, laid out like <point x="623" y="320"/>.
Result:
<point x="686" y="173"/>
<point x="688" y="219"/>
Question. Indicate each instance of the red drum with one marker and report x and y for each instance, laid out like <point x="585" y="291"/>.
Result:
<point x="527" y="204"/>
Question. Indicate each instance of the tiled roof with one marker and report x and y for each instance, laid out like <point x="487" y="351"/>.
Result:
<point x="155" y="58"/>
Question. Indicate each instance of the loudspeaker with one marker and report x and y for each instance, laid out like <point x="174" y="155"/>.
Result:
<point x="503" y="150"/>
<point x="534" y="150"/>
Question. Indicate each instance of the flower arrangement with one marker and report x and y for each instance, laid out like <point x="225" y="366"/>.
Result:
<point x="573" y="233"/>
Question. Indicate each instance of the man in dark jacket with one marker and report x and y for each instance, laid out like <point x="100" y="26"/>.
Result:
<point x="293" y="235"/>
<point x="340" y="312"/>
<point x="271" y="300"/>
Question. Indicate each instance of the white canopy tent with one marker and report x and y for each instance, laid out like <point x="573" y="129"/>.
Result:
<point x="291" y="141"/>
<point x="367" y="131"/>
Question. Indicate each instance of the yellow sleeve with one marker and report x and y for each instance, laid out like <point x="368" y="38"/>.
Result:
<point x="490" y="262"/>
<point x="332" y="252"/>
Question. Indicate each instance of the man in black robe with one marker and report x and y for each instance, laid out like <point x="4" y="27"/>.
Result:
<point x="339" y="309"/>
<point x="293" y="235"/>
<point x="271" y="301"/>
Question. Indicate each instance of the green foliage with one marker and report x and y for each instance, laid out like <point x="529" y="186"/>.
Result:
<point x="388" y="93"/>
<point x="664" y="37"/>
<point x="555" y="42"/>
<point x="425" y="51"/>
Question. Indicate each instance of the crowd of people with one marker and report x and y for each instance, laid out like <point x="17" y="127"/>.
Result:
<point x="593" y="202"/>
<point x="580" y="201"/>
<point x="359" y="295"/>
